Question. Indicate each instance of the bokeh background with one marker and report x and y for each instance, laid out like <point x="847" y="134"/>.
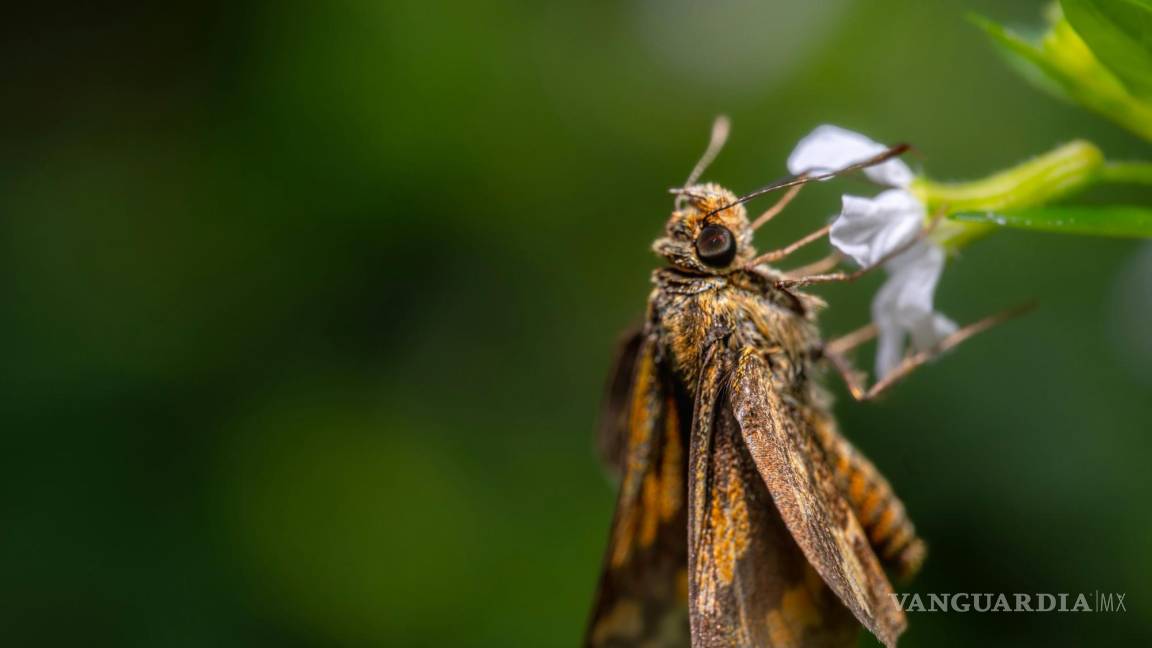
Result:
<point x="305" y="310"/>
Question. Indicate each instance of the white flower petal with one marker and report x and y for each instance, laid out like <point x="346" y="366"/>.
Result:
<point x="904" y="305"/>
<point x="928" y="332"/>
<point x="869" y="228"/>
<point x="889" y="350"/>
<point x="891" y="173"/>
<point x="829" y="148"/>
<point x="913" y="277"/>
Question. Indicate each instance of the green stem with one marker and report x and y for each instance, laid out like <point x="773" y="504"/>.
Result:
<point x="1126" y="172"/>
<point x="1053" y="175"/>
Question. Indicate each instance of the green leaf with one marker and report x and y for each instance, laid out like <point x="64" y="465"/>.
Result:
<point x="1119" y="33"/>
<point x="1025" y="57"/>
<point x="1063" y="65"/>
<point x="1119" y="221"/>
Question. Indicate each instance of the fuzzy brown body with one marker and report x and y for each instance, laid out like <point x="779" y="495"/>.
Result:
<point x="686" y="310"/>
<point x="781" y="325"/>
<point x="743" y="518"/>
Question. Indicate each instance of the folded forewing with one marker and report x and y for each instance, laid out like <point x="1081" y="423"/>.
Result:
<point x="750" y="583"/>
<point x="781" y="443"/>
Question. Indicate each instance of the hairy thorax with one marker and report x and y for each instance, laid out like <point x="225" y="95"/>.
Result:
<point x="743" y="309"/>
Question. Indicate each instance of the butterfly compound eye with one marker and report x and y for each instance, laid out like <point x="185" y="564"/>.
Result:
<point x="716" y="246"/>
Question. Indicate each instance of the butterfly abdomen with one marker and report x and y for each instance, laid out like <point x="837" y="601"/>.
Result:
<point x="881" y="513"/>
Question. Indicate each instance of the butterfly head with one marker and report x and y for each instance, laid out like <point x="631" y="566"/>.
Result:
<point x="708" y="233"/>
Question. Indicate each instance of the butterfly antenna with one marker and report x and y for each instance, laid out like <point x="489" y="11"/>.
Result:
<point x="804" y="178"/>
<point x="719" y="136"/>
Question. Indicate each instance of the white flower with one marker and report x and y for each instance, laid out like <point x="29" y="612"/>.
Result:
<point x="829" y="148"/>
<point x="868" y="229"/>
<point x="903" y="305"/>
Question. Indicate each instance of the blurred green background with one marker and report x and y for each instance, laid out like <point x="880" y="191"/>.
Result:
<point x="305" y="310"/>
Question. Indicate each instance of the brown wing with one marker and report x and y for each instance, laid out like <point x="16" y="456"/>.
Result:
<point x="783" y="447"/>
<point x="750" y="583"/>
<point x="612" y="434"/>
<point x="642" y="596"/>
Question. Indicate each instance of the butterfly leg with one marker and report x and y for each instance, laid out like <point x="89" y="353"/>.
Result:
<point x="817" y="267"/>
<point x="857" y="385"/>
<point x="919" y="358"/>
<point x="799" y="281"/>
<point x="776" y="255"/>
<point x="849" y="341"/>
<point x="855" y="380"/>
